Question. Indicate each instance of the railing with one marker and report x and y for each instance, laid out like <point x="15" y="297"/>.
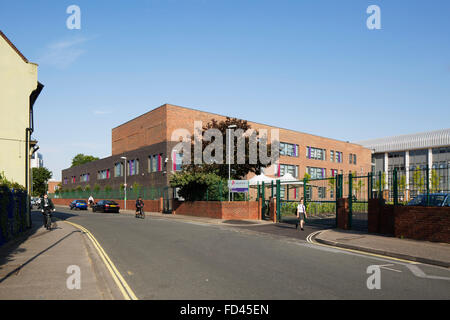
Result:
<point x="14" y="217"/>
<point x="151" y="193"/>
<point x="422" y="186"/>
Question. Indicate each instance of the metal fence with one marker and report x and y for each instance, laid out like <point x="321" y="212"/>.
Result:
<point x="426" y="186"/>
<point x="151" y="193"/>
<point x="14" y="214"/>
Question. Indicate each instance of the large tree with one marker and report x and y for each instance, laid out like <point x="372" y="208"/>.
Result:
<point x="238" y="171"/>
<point x="82" y="159"/>
<point x="40" y="179"/>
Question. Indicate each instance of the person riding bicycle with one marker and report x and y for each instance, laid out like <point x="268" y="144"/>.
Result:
<point x="46" y="205"/>
<point x="139" y="205"/>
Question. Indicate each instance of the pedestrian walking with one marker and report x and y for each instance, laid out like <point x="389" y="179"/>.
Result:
<point x="301" y="214"/>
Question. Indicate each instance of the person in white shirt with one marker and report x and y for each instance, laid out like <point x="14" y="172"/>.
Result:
<point x="91" y="201"/>
<point x="301" y="214"/>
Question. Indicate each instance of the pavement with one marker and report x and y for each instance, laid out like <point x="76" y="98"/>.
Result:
<point x="418" y="251"/>
<point x="39" y="266"/>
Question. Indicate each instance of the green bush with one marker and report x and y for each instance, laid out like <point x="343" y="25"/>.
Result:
<point x="10" y="191"/>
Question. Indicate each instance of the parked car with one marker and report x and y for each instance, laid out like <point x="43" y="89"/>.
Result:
<point x="33" y="202"/>
<point x="435" y="200"/>
<point x="78" y="204"/>
<point x="106" y="206"/>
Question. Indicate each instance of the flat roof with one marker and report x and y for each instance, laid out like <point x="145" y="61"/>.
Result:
<point x="422" y="140"/>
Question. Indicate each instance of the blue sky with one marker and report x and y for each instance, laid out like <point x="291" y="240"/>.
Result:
<point x="311" y="66"/>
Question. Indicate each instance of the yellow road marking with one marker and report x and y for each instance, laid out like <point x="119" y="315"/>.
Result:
<point x="124" y="288"/>
<point x="310" y="240"/>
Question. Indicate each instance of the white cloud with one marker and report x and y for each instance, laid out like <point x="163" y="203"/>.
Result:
<point x="101" y="112"/>
<point x="63" y="53"/>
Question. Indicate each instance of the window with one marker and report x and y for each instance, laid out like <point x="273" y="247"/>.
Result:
<point x="334" y="172"/>
<point x="282" y="192"/>
<point x="316" y="173"/>
<point x="314" y="153"/>
<point x="133" y="167"/>
<point x="65" y="180"/>
<point x="177" y="161"/>
<point x="84" y="177"/>
<point x="104" y="174"/>
<point x="322" y="192"/>
<point x="73" y="179"/>
<point x="287" y="149"/>
<point x="332" y="155"/>
<point x="338" y="156"/>
<point x="286" y="168"/>
<point x="118" y="169"/>
<point x="156" y="162"/>
<point x="350" y="157"/>
<point x="354" y="159"/>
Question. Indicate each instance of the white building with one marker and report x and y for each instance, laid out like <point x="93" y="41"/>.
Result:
<point x="407" y="153"/>
<point x="37" y="161"/>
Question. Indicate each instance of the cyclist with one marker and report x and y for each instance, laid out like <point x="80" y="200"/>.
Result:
<point x="139" y="207"/>
<point x="46" y="205"/>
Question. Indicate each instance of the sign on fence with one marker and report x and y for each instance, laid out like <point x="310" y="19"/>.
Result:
<point x="239" y="186"/>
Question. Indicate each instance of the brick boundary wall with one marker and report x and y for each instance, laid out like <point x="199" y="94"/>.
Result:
<point x="418" y="223"/>
<point x="423" y="223"/>
<point x="242" y="210"/>
<point x="149" y="205"/>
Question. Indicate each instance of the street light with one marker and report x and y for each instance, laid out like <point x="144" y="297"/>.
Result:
<point x="125" y="183"/>
<point x="233" y="126"/>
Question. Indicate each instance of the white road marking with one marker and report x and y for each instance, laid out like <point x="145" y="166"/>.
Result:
<point x="419" y="273"/>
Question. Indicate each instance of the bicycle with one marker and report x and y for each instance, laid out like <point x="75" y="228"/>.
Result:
<point x="140" y="213"/>
<point x="48" y="220"/>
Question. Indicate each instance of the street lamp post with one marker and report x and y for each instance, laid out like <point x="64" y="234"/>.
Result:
<point x="125" y="177"/>
<point x="229" y="158"/>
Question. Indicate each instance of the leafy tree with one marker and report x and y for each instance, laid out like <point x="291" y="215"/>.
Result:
<point x="418" y="179"/>
<point x="383" y="181"/>
<point x="194" y="185"/>
<point x="80" y="159"/>
<point x="435" y="181"/>
<point x="96" y="187"/>
<point x="238" y="171"/>
<point x="332" y="185"/>
<point x="40" y="179"/>
<point x="87" y="188"/>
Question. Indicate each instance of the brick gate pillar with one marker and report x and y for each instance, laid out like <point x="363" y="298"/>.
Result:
<point x="342" y="214"/>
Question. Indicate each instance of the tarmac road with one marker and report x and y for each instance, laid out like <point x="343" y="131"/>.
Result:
<point x="164" y="258"/>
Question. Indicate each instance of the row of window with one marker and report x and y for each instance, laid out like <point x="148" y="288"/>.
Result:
<point x="292" y="150"/>
<point x="155" y="164"/>
<point x="288" y="149"/>
<point x="336" y="156"/>
<point x="315" y="153"/>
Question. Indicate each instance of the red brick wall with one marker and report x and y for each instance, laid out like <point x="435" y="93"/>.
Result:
<point x="248" y="210"/>
<point x="149" y="205"/>
<point x="419" y="223"/>
<point x="423" y="223"/>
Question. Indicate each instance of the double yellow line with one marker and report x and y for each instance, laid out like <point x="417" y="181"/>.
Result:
<point x="124" y="288"/>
